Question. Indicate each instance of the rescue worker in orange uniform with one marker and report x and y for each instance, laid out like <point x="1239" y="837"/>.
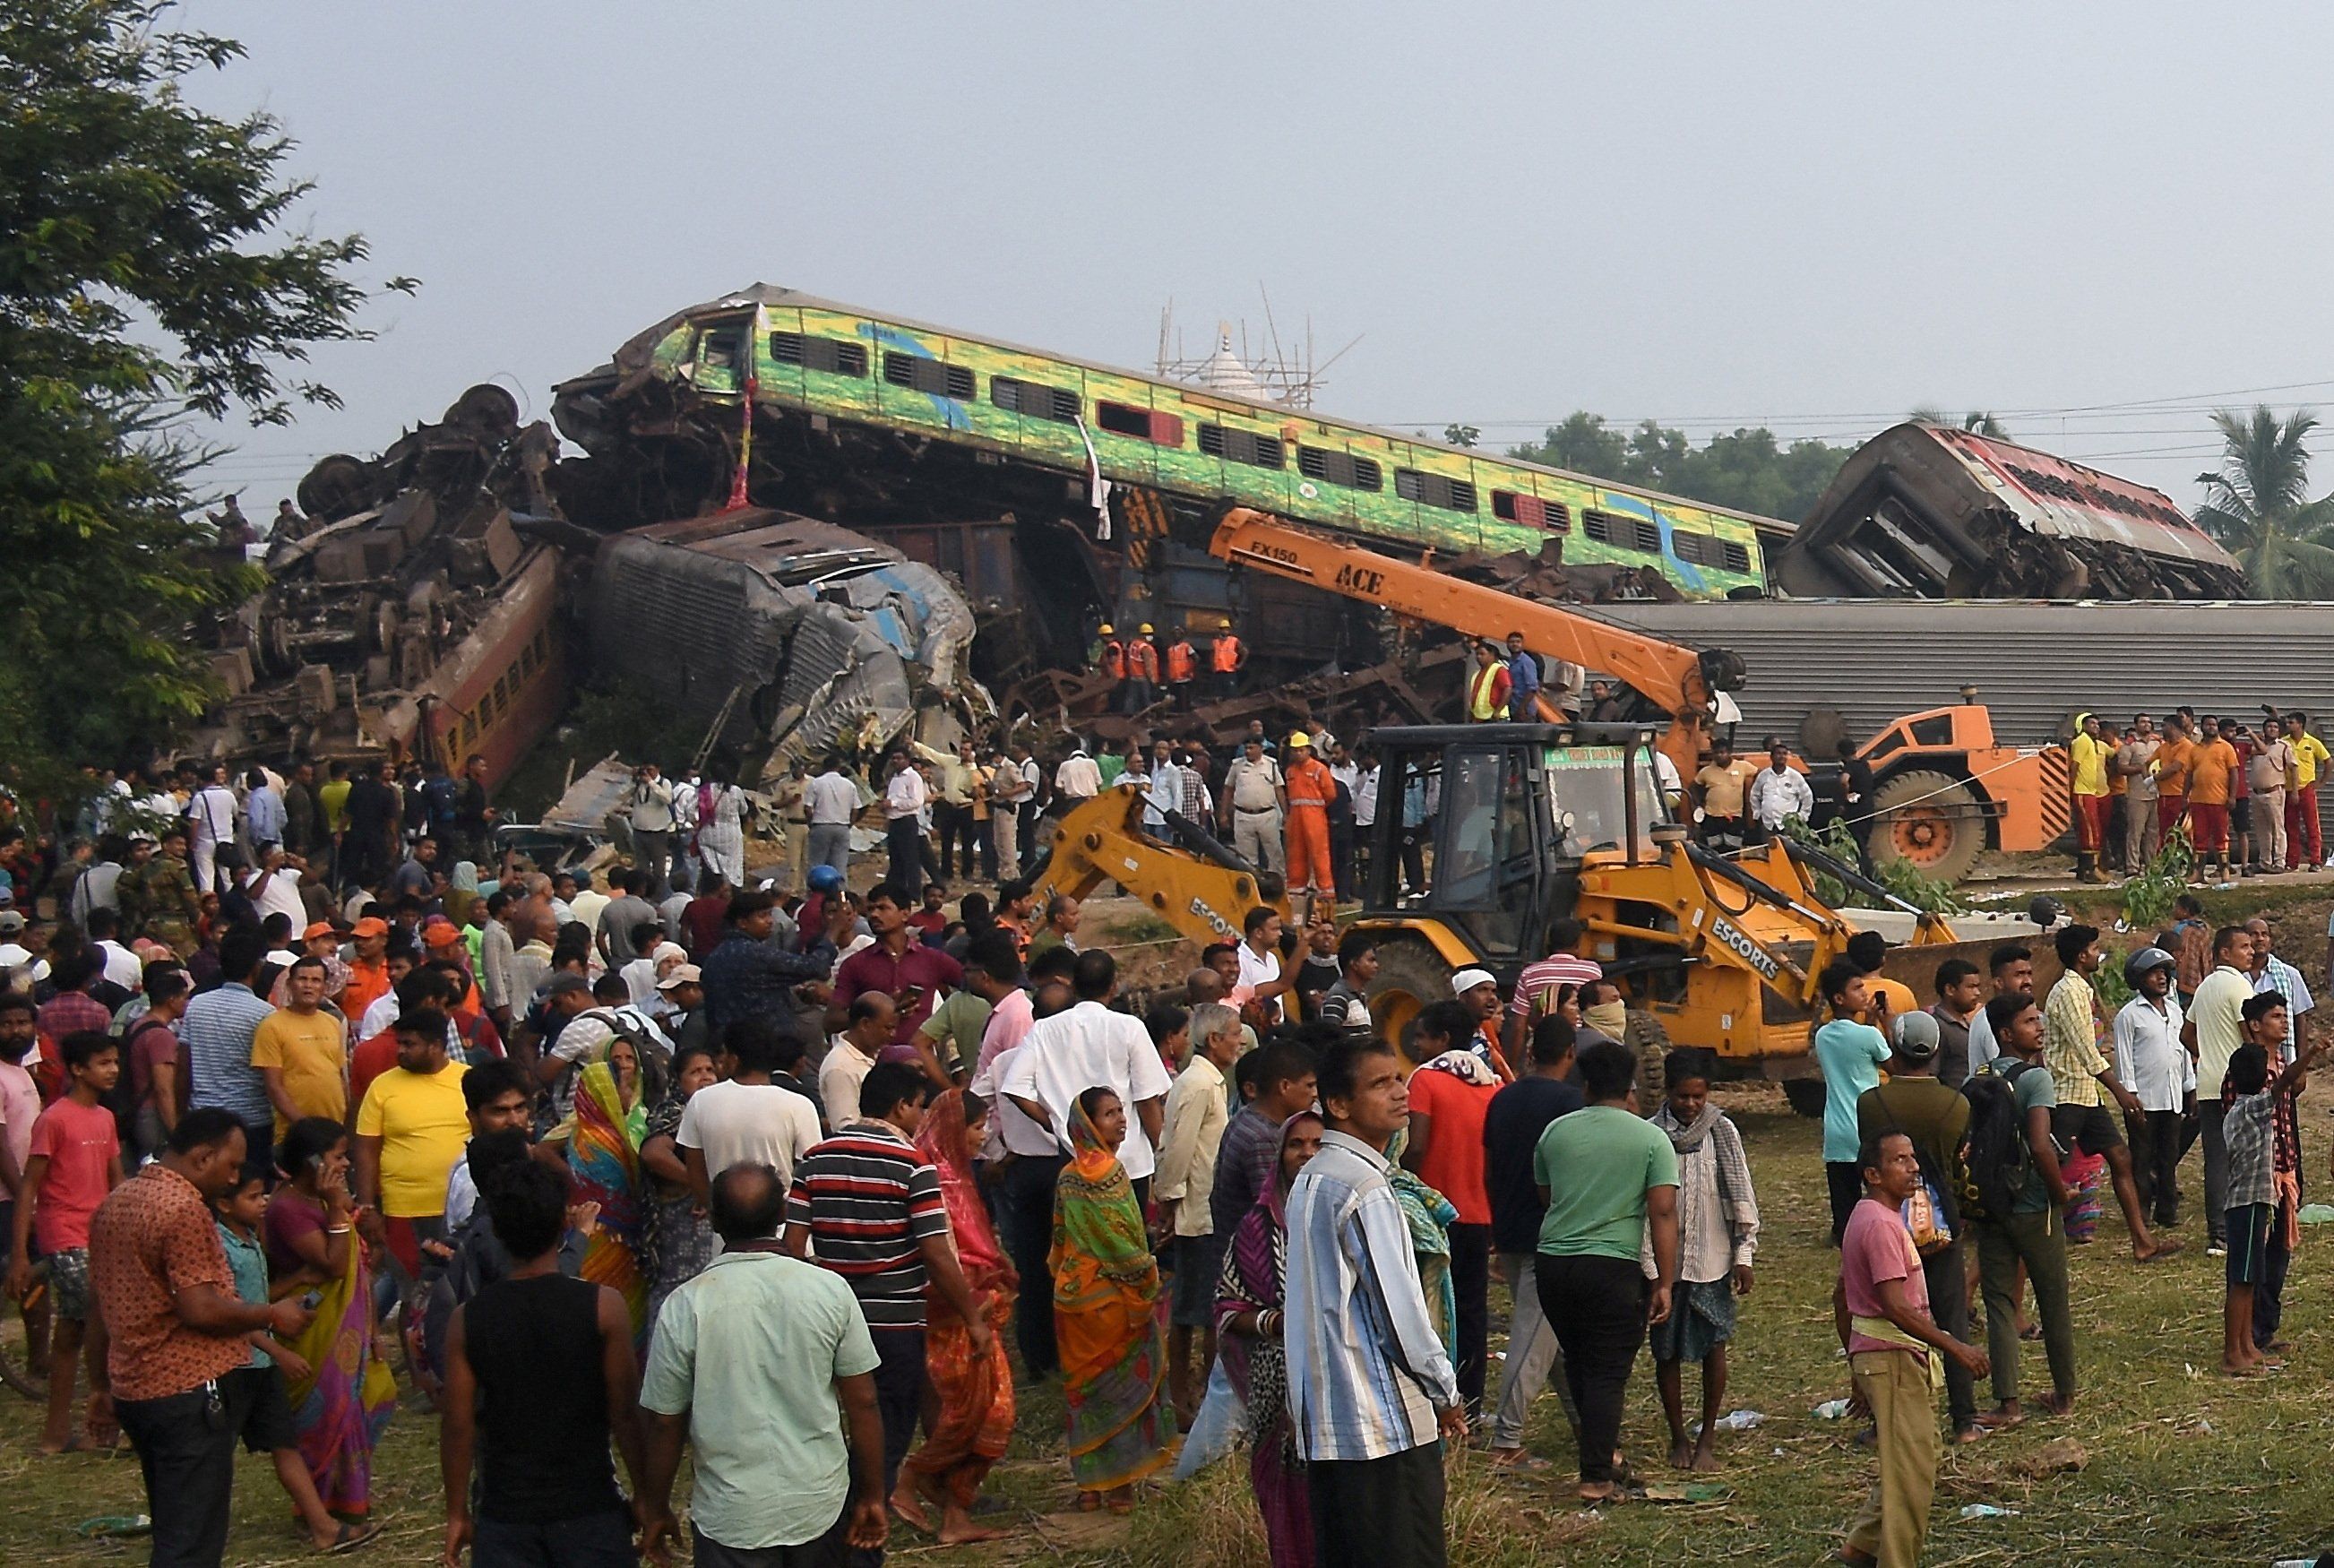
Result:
<point x="1487" y="686"/>
<point x="1141" y="670"/>
<point x="1183" y="665"/>
<point x="1114" y="664"/>
<point x="1310" y="790"/>
<point x="1225" y="659"/>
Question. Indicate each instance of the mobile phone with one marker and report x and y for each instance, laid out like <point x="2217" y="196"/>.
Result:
<point x="312" y="1301"/>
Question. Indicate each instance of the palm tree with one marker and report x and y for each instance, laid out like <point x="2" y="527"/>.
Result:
<point x="1976" y="422"/>
<point x="2258" y="505"/>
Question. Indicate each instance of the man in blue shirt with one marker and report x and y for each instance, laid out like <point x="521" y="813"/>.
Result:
<point x="1523" y="680"/>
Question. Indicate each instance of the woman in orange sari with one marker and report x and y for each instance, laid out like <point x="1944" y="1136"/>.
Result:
<point x="1106" y="1313"/>
<point x="975" y="1391"/>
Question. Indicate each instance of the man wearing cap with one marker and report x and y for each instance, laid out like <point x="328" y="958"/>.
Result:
<point x="682" y="992"/>
<point x="1478" y="990"/>
<point x="1309" y="790"/>
<point x="1141" y="670"/>
<point x="369" y="976"/>
<point x="1225" y="658"/>
<point x="1251" y="805"/>
<point x="2150" y="1062"/>
<point x="14" y="955"/>
<point x="1911" y="1101"/>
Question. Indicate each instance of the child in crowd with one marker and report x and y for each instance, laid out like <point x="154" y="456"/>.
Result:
<point x="2259" y="1243"/>
<point x="260" y="1405"/>
<point x="76" y="1161"/>
<point x="1717" y="1237"/>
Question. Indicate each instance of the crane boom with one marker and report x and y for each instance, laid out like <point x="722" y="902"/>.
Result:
<point x="1674" y="680"/>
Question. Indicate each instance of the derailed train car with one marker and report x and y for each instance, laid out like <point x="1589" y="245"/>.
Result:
<point x="825" y="637"/>
<point x="1928" y="511"/>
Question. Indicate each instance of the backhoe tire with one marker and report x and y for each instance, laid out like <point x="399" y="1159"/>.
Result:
<point x="1929" y="821"/>
<point x="1412" y="976"/>
<point x="1806" y="1094"/>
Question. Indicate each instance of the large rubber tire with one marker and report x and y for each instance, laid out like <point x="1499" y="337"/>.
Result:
<point x="1412" y="976"/>
<point x="1929" y="821"/>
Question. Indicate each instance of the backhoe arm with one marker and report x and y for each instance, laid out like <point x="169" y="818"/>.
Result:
<point x="1102" y="841"/>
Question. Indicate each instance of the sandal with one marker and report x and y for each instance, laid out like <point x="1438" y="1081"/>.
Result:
<point x="351" y="1536"/>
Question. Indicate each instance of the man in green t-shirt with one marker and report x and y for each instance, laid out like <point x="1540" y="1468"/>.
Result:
<point x="1604" y="1174"/>
<point x="2031" y="1233"/>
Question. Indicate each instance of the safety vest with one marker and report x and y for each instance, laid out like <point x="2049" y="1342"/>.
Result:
<point x="1226" y="654"/>
<point x="1485" y="702"/>
<point x="1144" y="659"/>
<point x="1181" y="662"/>
<point x="1113" y="658"/>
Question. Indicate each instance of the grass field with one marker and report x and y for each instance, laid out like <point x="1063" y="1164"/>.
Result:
<point x="2180" y="1467"/>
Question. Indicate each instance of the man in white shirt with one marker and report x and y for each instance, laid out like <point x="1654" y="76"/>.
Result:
<point x="874" y="1019"/>
<point x="213" y="814"/>
<point x="1780" y="791"/>
<point x="830" y="800"/>
<point x="1089" y="1044"/>
<point x="2213" y="1032"/>
<point x="746" y="1118"/>
<point x="1259" y="963"/>
<point x="588" y="904"/>
<point x="1023" y="1155"/>
<point x="1077" y="779"/>
<point x="1164" y="793"/>
<point x="905" y="798"/>
<point x="122" y="966"/>
<point x="2150" y="1062"/>
<point x="652" y="822"/>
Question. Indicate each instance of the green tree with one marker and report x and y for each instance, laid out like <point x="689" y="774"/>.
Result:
<point x="1749" y="470"/>
<point x="145" y="282"/>
<point x="2258" y="505"/>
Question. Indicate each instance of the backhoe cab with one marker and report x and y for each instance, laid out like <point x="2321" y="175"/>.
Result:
<point x="1487" y="834"/>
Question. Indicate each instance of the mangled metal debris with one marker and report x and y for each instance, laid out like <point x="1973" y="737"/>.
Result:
<point x="825" y="637"/>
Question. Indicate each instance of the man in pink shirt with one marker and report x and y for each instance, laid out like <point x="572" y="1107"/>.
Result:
<point x="74" y="1161"/>
<point x="1894" y="1349"/>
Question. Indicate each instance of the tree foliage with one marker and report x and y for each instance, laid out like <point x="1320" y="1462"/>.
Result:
<point x="2258" y="505"/>
<point x="145" y="280"/>
<point x="1749" y="470"/>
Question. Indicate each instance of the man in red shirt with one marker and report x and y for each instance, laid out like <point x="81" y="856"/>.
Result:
<point x="913" y="974"/>
<point x="1449" y="1096"/>
<point x="932" y="920"/>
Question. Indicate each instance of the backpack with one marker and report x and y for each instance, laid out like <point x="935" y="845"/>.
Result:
<point x="2001" y="1165"/>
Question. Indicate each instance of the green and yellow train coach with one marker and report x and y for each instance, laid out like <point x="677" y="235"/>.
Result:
<point x="1192" y="443"/>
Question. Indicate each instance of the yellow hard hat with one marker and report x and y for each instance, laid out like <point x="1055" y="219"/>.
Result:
<point x="1225" y="624"/>
<point x="1105" y="629"/>
<point x="1300" y="739"/>
<point x="1146" y="629"/>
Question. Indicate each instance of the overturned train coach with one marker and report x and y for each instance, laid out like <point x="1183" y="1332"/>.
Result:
<point x="791" y="635"/>
<point x="1928" y="511"/>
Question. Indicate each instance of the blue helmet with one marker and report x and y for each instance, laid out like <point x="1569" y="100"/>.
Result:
<point x="825" y="880"/>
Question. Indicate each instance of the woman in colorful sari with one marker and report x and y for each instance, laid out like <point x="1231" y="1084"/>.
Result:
<point x="677" y="1240"/>
<point x="1429" y="1215"/>
<point x="1249" y="1293"/>
<point x="1106" y="1313"/>
<point x="975" y="1391"/>
<point x="344" y="1400"/>
<point x="601" y="1145"/>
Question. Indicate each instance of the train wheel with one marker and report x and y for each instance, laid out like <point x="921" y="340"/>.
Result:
<point x="1412" y="976"/>
<point x="1928" y="821"/>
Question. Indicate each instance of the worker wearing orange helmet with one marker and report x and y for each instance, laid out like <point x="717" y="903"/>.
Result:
<point x="1226" y="659"/>
<point x="1311" y="790"/>
<point x="1182" y="667"/>
<point x="1141" y="670"/>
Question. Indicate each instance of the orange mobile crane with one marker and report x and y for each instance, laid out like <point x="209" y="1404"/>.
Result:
<point x="1943" y="789"/>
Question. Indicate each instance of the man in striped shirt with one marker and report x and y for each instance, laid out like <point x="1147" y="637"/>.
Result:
<point x="1537" y="986"/>
<point x="867" y="1204"/>
<point x="1372" y="1393"/>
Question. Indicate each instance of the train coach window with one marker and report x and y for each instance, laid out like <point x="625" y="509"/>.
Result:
<point x="1434" y="490"/>
<point x="1339" y="468"/>
<point x="1032" y="400"/>
<point x="1628" y="533"/>
<point x="1142" y="424"/>
<point x="832" y="355"/>
<point x="921" y="373"/>
<point x="1530" y="511"/>
<point x="1242" y="447"/>
<point x="1737" y="557"/>
<point x="1692" y="548"/>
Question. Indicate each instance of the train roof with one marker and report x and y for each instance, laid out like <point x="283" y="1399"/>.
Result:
<point x="635" y="355"/>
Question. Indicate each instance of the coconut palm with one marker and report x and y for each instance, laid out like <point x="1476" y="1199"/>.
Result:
<point x="1977" y="422"/>
<point x="2258" y="505"/>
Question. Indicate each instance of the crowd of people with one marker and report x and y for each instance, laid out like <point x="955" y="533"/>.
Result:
<point x="799" y="1177"/>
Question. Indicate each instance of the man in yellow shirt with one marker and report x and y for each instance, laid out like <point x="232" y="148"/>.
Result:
<point x="411" y="1130"/>
<point x="2089" y="753"/>
<point x="2303" y="846"/>
<point x="301" y="1052"/>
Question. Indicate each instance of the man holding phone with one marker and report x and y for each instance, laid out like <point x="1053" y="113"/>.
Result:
<point x="897" y="964"/>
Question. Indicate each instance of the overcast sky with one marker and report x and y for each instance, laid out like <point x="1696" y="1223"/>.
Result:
<point x="2098" y="222"/>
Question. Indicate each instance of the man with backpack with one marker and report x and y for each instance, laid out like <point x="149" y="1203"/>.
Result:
<point x="1936" y="1119"/>
<point x="2016" y="1191"/>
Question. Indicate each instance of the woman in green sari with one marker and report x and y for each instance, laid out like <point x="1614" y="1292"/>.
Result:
<point x="600" y="1148"/>
<point x="1106" y="1313"/>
